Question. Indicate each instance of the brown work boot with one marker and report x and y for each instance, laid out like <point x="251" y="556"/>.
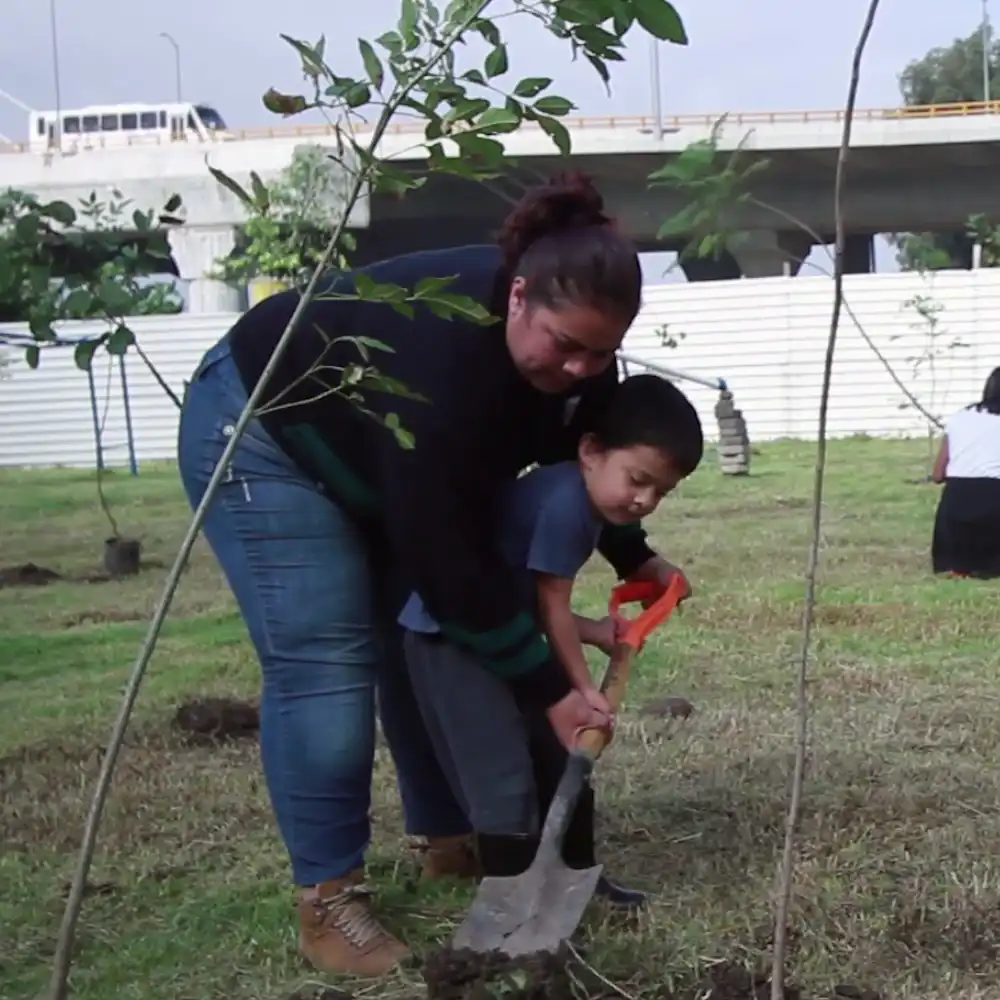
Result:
<point x="339" y="933"/>
<point x="453" y="857"/>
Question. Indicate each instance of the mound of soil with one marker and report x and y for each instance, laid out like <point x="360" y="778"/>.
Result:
<point x="460" y="974"/>
<point x="671" y="707"/>
<point x="215" y="720"/>
<point x="28" y="575"/>
<point x="733" y="981"/>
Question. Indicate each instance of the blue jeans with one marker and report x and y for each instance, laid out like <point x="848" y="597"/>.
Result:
<point x="325" y="635"/>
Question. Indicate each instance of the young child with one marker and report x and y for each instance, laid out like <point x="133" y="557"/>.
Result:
<point x="503" y="758"/>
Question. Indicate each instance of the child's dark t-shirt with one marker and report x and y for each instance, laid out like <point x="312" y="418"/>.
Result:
<point x="547" y="525"/>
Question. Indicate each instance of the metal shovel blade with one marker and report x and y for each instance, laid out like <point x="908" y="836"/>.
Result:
<point x="539" y="909"/>
<point x="533" y="912"/>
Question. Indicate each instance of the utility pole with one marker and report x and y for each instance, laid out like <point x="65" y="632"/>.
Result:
<point x="986" y="33"/>
<point x="177" y="64"/>
<point x="654" y="82"/>
<point x="55" y="73"/>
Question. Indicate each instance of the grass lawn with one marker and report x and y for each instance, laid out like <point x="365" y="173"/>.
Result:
<point x="898" y="885"/>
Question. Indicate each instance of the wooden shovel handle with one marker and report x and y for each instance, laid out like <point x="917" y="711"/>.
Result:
<point x="660" y="603"/>
<point x="593" y="741"/>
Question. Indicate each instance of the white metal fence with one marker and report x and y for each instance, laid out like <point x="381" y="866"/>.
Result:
<point x="766" y="337"/>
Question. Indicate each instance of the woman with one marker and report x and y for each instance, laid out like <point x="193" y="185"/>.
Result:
<point x="967" y="526"/>
<point x="325" y="523"/>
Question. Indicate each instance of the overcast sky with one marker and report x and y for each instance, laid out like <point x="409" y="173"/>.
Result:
<point x="743" y="54"/>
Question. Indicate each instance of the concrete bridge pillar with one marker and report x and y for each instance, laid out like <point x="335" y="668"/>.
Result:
<point x="763" y="254"/>
<point x="757" y="253"/>
<point x="196" y="249"/>
<point x="859" y="254"/>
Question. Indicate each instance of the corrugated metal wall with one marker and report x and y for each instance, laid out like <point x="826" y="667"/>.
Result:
<point x="46" y="414"/>
<point x="766" y="337"/>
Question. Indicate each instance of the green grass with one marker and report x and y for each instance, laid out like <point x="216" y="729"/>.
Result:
<point x="898" y="887"/>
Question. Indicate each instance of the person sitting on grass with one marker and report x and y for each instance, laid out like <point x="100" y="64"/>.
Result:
<point x="497" y="747"/>
<point x="966" y="540"/>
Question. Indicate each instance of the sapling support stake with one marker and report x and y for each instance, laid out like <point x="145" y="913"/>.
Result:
<point x="786" y="871"/>
<point x="67" y="931"/>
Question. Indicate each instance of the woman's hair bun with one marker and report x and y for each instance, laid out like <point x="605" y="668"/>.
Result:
<point x="567" y="201"/>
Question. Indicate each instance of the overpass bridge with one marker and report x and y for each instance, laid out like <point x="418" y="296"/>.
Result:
<point x="918" y="168"/>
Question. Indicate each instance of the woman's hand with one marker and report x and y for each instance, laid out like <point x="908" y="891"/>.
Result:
<point x="573" y="713"/>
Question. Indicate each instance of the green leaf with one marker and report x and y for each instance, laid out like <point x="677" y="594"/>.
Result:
<point x="32" y="356"/>
<point x="497" y="120"/>
<point x="115" y="298"/>
<point x="375" y="345"/>
<point x="479" y="147"/>
<point x="232" y="186"/>
<point x="532" y="86"/>
<point x="120" y="341"/>
<point x="661" y="20"/>
<point x="377" y="382"/>
<point x="408" y="19"/>
<point x="553" y="105"/>
<point x="27" y="229"/>
<point x="431" y="286"/>
<point x="496" y="62"/>
<point x="557" y="132"/>
<point x="583" y="11"/>
<point x="403" y="437"/>
<point x="372" y="63"/>
<point x="261" y="197"/>
<point x="624" y="18"/>
<point x="283" y="104"/>
<point x="448" y="305"/>
<point x="311" y="56"/>
<point x="489" y="31"/>
<point x="391" y="42"/>
<point x="390" y="179"/>
<point x="59" y="211"/>
<point x="358" y="95"/>
<point x="602" y="69"/>
<point x="83" y="353"/>
<point x="370" y="290"/>
<point x="79" y="304"/>
<point x="475" y="76"/>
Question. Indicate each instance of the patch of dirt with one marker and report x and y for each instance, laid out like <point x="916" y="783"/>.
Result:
<point x="671" y="707"/>
<point x="461" y="974"/>
<point x="734" y="981"/>
<point x="215" y="720"/>
<point x="169" y="789"/>
<point x="27" y="575"/>
<point x="101" y="617"/>
<point x="32" y="575"/>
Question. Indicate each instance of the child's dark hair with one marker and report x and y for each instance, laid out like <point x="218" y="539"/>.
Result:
<point x="564" y="245"/>
<point x="990" y="403"/>
<point x="652" y="411"/>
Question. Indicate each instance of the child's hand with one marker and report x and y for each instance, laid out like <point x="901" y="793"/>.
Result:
<point x="598" y="702"/>
<point x="573" y="713"/>
<point x="603" y="634"/>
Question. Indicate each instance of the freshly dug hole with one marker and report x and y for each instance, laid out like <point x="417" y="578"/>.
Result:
<point x="461" y="974"/>
<point x="214" y="720"/>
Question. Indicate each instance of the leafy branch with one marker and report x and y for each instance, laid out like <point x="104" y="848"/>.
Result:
<point x="706" y="226"/>
<point x="59" y="263"/>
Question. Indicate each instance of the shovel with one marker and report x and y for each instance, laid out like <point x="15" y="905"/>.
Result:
<point x="539" y="909"/>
